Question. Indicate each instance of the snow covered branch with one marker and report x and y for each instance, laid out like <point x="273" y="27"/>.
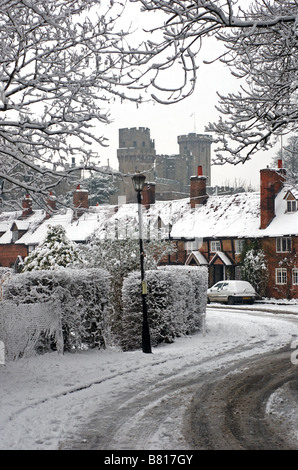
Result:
<point x="61" y="65"/>
<point x="260" y="48"/>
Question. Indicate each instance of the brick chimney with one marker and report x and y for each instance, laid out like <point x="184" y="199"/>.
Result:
<point x="80" y="200"/>
<point x="198" y="193"/>
<point x="27" y="206"/>
<point x="148" y="195"/>
<point x="50" y="205"/>
<point x="271" y="182"/>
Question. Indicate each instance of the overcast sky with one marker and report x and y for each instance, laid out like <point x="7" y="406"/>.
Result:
<point x="166" y="122"/>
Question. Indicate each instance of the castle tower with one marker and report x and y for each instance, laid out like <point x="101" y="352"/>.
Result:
<point x="136" y="152"/>
<point x="195" y="150"/>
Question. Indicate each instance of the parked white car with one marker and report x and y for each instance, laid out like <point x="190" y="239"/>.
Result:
<point x="232" y="292"/>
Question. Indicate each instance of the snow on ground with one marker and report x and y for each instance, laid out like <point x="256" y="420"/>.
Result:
<point x="45" y="398"/>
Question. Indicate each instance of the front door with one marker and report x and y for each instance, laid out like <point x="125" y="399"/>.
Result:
<point x="218" y="273"/>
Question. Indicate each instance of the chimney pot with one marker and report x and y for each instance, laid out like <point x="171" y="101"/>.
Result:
<point x="279" y="163"/>
<point x="51" y="205"/>
<point x="27" y="206"/>
<point x="271" y="182"/>
<point x="198" y="193"/>
<point x="148" y="194"/>
<point x="80" y="200"/>
<point x="200" y="170"/>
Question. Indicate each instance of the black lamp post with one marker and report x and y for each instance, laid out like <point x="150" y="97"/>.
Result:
<point x="138" y="182"/>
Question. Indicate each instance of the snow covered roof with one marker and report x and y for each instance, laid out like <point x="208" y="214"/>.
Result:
<point x="77" y="230"/>
<point x="226" y="216"/>
<point x="8" y="219"/>
<point x="223" y="257"/>
<point x="198" y="257"/>
<point x="284" y="223"/>
<point x="236" y="215"/>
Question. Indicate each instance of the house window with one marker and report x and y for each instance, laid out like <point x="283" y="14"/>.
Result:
<point x="295" y="276"/>
<point x="291" y="206"/>
<point x="280" y="276"/>
<point x="239" y="245"/>
<point x="283" y="244"/>
<point x="215" y="246"/>
<point x="191" y="246"/>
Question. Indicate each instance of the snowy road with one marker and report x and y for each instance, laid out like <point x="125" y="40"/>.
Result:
<point x="229" y="411"/>
<point x="216" y="402"/>
<point x="114" y="400"/>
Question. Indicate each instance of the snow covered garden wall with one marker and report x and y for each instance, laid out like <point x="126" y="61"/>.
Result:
<point x="176" y="303"/>
<point x="81" y="296"/>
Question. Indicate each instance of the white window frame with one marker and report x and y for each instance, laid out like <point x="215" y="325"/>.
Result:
<point x="239" y="245"/>
<point x="215" y="246"/>
<point x="191" y="246"/>
<point x="291" y="206"/>
<point x="280" y="276"/>
<point x="283" y="245"/>
<point x="295" y="276"/>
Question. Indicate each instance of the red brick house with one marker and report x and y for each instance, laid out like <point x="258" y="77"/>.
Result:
<point x="223" y="224"/>
<point x="208" y="230"/>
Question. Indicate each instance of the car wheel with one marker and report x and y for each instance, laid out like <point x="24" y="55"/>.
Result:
<point x="231" y="301"/>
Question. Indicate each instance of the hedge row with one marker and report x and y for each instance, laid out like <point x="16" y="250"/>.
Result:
<point x="176" y="303"/>
<point x="83" y="297"/>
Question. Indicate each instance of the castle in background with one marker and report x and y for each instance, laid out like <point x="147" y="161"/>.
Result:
<point x="170" y="173"/>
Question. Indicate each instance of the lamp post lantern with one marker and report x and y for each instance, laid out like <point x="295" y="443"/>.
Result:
<point x="138" y="180"/>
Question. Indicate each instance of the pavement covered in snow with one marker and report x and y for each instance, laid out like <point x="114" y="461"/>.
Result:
<point x="46" y="398"/>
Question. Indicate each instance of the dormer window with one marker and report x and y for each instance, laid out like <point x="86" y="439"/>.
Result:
<point x="18" y="229"/>
<point x="15" y="236"/>
<point x="291" y="206"/>
<point x="291" y="200"/>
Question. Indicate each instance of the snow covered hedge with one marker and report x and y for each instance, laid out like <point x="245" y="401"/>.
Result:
<point x="83" y="297"/>
<point x="176" y="303"/>
<point x="22" y="325"/>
